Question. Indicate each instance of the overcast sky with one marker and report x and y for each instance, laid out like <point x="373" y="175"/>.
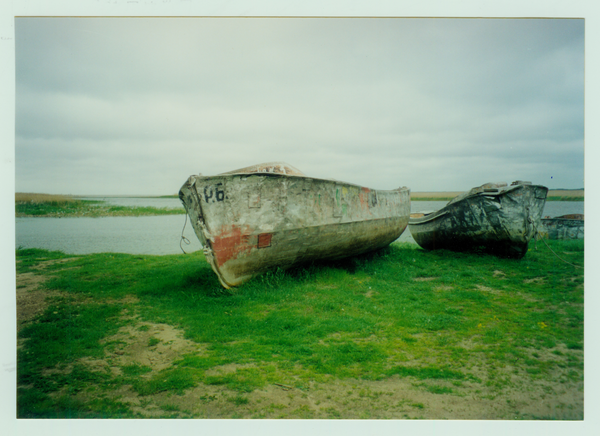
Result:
<point x="136" y="105"/>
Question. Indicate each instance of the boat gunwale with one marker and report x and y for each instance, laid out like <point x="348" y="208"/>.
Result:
<point x="295" y="176"/>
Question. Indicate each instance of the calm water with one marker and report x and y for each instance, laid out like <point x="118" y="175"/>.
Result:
<point x="135" y="235"/>
<point x="158" y="234"/>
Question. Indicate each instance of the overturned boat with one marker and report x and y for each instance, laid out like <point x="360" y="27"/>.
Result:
<point x="268" y="216"/>
<point x="562" y="227"/>
<point x="493" y="218"/>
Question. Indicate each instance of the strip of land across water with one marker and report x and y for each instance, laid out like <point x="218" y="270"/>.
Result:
<point x="553" y="195"/>
<point x="51" y="205"/>
<point x="59" y="206"/>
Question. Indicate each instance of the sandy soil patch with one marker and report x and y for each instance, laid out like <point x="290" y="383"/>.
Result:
<point x="31" y="301"/>
<point x="394" y="398"/>
<point x="443" y="288"/>
<point x="424" y="279"/>
<point x="32" y="298"/>
<point x="155" y="346"/>
<point x="490" y="290"/>
<point x="539" y="280"/>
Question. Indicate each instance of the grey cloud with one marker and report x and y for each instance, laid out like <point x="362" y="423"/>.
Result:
<point x="380" y="102"/>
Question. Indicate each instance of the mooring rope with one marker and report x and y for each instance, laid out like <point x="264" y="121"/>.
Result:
<point x="183" y="238"/>
<point x="545" y="243"/>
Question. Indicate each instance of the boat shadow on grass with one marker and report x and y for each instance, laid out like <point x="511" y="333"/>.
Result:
<point x="311" y="273"/>
<point x="204" y="281"/>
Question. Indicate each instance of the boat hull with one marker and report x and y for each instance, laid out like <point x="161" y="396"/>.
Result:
<point x="250" y="223"/>
<point x="565" y="227"/>
<point x="499" y="221"/>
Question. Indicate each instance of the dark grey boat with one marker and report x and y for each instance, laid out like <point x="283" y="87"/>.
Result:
<point x="493" y="218"/>
<point x="562" y="227"/>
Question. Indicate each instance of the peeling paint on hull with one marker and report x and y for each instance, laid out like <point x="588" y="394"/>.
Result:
<point x="493" y="218"/>
<point x="562" y="227"/>
<point x="253" y="220"/>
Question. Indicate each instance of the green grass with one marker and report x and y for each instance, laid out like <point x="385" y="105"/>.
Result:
<point x="403" y="312"/>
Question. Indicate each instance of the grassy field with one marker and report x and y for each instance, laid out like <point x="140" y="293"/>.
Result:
<point x="45" y="205"/>
<point x="402" y="333"/>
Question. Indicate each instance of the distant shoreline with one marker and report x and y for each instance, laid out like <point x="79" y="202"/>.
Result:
<point x="575" y="194"/>
<point x="563" y="194"/>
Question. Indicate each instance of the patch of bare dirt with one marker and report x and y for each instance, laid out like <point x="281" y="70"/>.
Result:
<point x="47" y="263"/>
<point x="527" y="297"/>
<point x="230" y="368"/>
<point x="394" y="398"/>
<point x="31" y="301"/>
<point x="443" y="288"/>
<point x="31" y="296"/>
<point x="539" y="280"/>
<point x="490" y="290"/>
<point x="155" y="346"/>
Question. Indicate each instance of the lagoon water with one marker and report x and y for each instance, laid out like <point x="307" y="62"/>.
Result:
<point x="158" y="234"/>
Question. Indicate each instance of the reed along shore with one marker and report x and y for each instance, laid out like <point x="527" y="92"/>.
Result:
<point x="62" y="206"/>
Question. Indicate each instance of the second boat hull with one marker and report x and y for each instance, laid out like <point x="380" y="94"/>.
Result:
<point x="563" y="227"/>
<point x="499" y="221"/>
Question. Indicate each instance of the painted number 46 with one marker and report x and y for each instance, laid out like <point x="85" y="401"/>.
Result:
<point x="214" y="194"/>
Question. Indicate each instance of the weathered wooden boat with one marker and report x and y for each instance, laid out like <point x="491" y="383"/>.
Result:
<point x="493" y="218"/>
<point x="269" y="216"/>
<point x="562" y="227"/>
